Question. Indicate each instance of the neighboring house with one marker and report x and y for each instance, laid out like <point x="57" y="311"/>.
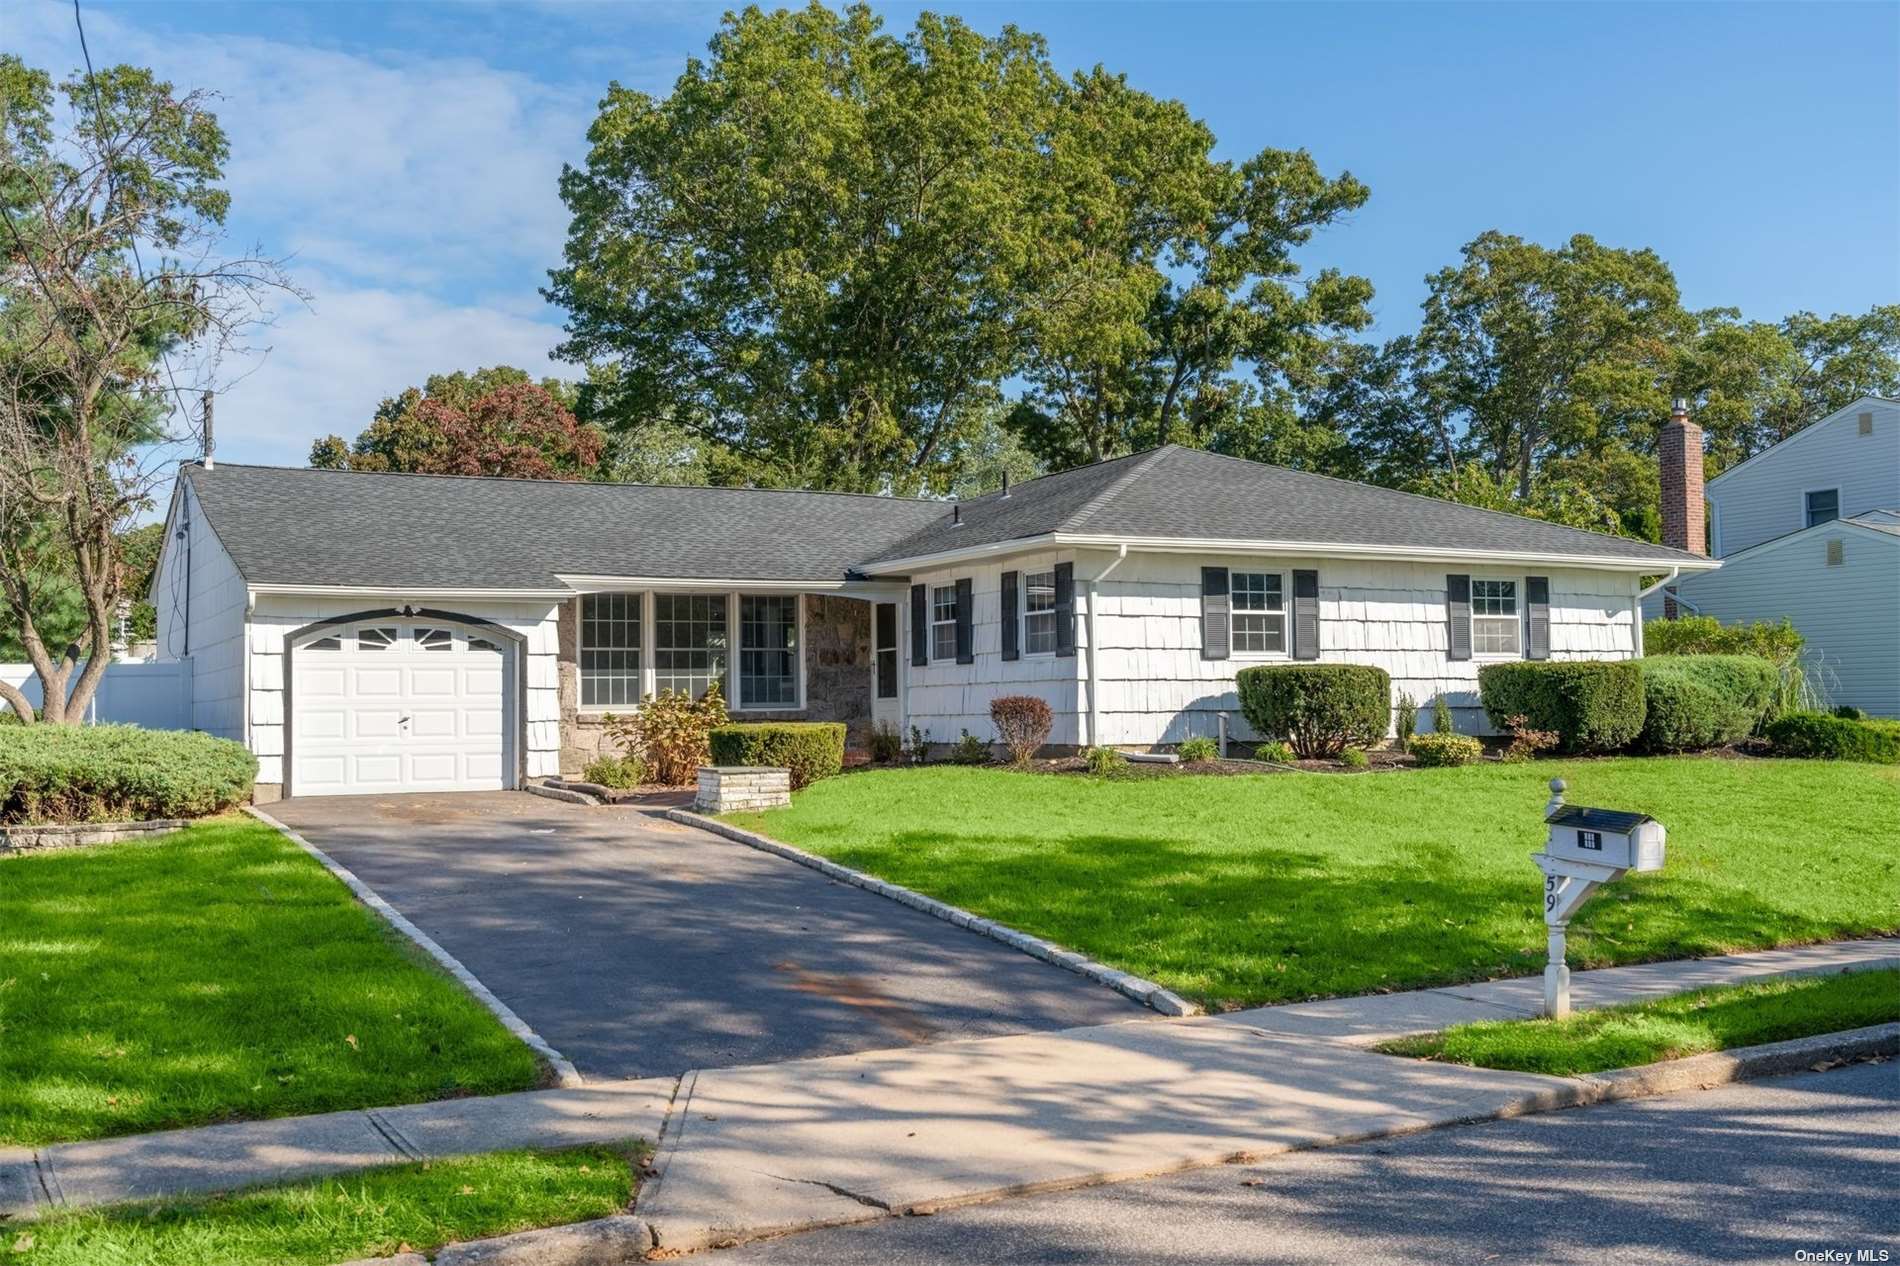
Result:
<point x="373" y="633"/>
<point x="1809" y="531"/>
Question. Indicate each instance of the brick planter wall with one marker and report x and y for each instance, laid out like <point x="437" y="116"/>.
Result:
<point x="739" y="788"/>
<point x="45" y="837"/>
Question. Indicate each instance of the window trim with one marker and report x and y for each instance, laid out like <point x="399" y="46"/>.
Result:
<point x="1285" y="613"/>
<point x="649" y="676"/>
<point x="735" y="638"/>
<point x="1053" y="612"/>
<point x="643" y="662"/>
<point x="936" y="623"/>
<point x="1807" y="520"/>
<point x="1523" y="613"/>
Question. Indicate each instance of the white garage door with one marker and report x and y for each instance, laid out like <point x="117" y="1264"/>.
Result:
<point x="397" y="706"/>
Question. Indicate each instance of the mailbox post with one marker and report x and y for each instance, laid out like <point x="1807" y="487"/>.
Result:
<point x="1586" y="847"/>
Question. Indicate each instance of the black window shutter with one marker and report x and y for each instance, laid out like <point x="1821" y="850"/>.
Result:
<point x="1065" y="608"/>
<point x="1012" y="648"/>
<point x="1537" y="602"/>
<point x="1305" y="615"/>
<point x="919" y="626"/>
<point x="966" y="650"/>
<point x="1216" y="634"/>
<point x="1458" y="616"/>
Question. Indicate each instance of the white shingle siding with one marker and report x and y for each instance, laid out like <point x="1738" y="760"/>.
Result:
<point x="214" y="642"/>
<point x="1156" y="689"/>
<point x="1849" y="614"/>
<point x="278" y="615"/>
<point x="1766" y="497"/>
<point x="945" y="697"/>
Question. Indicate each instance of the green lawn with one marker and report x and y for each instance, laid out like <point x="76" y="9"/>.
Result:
<point x="219" y="973"/>
<point x="1273" y="888"/>
<point x="1668" y="1028"/>
<point x="374" y="1213"/>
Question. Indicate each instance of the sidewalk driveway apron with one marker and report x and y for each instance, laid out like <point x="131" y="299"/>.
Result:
<point x="640" y="947"/>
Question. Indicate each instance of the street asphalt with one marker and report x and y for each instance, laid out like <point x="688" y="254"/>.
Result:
<point x="640" y="947"/>
<point x="1754" y="1172"/>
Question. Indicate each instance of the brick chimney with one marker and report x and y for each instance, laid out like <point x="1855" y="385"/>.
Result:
<point x="1684" y="518"/>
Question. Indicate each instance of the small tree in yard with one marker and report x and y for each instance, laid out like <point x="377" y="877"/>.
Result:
<point x="1022" y="725"/>
<point x="104" y="355"/>
<point x="672" y="733"/>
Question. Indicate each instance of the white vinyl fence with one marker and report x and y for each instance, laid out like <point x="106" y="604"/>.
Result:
<point x="154" y="695"/>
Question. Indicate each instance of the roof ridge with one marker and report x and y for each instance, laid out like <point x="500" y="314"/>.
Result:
<point x="570" y="483"/>
<point x="1137" y="462"/>
<point x="1428" y="497"/>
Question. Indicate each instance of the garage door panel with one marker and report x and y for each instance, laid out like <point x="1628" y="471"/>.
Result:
<point x="399" y="718"/>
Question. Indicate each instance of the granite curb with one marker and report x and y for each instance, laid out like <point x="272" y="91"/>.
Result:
<point x="565" y="1074"/>
<point x="1146" y="992"/>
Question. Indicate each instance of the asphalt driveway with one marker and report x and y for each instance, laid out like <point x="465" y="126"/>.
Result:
<point x="640" y="947"/>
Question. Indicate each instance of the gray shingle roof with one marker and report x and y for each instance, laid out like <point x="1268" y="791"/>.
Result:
<point x="1187" y="493"/>
<point x="284" y="525"/>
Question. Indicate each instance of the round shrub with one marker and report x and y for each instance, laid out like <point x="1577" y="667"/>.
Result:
<point x="1198" y="750"/>
<point x="1437" y="750"/>
<point x="621" y="773"/>
<point x="810" y="749"/>
<point x="1591" y="705"/>
<point x="1816" y="734"/>
<point x="1320" y="709"/>
<point x="1022" y="725"/>
<point x="118" y="773"/>
<point x="1355" y="758"/>
<point x="1693" y="702"/>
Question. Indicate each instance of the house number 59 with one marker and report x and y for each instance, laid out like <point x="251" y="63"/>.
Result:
<point x="1550" y="893"/>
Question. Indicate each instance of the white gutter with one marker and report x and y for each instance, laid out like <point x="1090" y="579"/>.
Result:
<point x="406" y="591"/>
<point x="1636" y="607"/>
<point x="1294" y="549"/>
<point x="1095" y="702"/>
<point x="694" y="584"/>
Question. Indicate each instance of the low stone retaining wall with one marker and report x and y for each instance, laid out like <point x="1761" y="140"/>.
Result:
<point x="44" y="837"/>
<point x="741" y="788"/>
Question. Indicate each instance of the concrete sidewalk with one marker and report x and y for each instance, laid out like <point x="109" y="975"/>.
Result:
<point x="747" y="1151"/>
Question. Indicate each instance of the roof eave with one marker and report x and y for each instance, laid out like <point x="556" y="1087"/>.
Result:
<point x="407" y="591"/>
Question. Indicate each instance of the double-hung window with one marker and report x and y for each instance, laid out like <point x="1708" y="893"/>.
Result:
<point x="1495" y="627"/>
<point x="689" y="643"/>
<point x="610" y="650"/>
<point x="768" y="651"/>
<point x="1039" y="613"/>
<point x="1258" y="602"/>
<point x="1823" y="505"/>
<point x="943" y="622"/>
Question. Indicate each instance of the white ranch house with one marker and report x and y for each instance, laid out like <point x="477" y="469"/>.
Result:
<point x="369" y="633"/>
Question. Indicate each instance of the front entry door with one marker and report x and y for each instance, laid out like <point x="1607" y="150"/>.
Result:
<point x="886" y="708"/>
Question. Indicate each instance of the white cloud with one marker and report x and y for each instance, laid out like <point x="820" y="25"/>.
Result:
<point x="328" y="367"/>
<point x="415" y="196"/>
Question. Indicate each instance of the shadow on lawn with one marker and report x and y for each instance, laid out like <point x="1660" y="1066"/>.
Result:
<point x="1275" y="924"/>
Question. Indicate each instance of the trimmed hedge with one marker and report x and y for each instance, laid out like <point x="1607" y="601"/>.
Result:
<point x="1437" y="750"/>
<point x="1591" y="705"/>
<point x="118" y="773"/>
<point x="1321" y="709"/>
<point x="1817" y="734"/>
<point x="810" y="749"/>
<point x="1692" y="702"/>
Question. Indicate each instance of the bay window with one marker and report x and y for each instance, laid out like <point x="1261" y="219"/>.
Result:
<point x="690" y="643"/>
<point x="768" y="651"/>
<point x="610" y="650"/>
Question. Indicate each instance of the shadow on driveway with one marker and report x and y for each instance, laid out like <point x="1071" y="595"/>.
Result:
<point x="641" y="947"/>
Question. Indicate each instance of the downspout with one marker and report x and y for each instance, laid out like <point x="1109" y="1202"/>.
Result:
<point x="1636" y="608"/>
<point x="1095" y="703"/>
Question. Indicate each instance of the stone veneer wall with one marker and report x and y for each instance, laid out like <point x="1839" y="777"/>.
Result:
<point x="837" y="678"/>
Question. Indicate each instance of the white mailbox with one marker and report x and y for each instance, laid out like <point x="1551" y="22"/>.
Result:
<point x="1624" y="841"/>
<point x="1587" y="847"/>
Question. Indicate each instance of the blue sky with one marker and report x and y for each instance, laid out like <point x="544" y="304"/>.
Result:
<point x="405" y="154"/>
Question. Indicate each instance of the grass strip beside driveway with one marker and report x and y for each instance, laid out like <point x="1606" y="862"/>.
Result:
<point x="1694" y="1023"/>
<point x="218" y="974"/>
<point x="371" y="1214"/>
<point x="1240" y="891"/>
